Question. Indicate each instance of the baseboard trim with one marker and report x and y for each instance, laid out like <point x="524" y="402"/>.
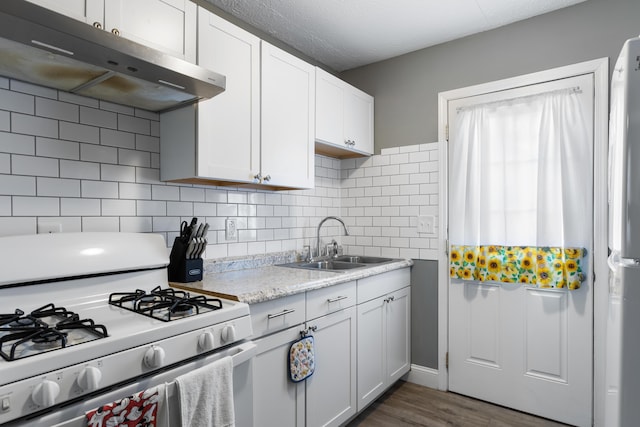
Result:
<point x="423" y="376"/>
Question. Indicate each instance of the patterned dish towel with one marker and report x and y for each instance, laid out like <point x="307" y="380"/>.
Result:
<point x="139" y="409"/>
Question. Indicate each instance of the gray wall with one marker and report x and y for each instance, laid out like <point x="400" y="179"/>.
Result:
<point x="406" y="87"/>
<point x="424" y="313"/>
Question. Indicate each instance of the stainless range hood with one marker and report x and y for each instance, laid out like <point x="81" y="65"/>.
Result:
<point x="45" y="48"/>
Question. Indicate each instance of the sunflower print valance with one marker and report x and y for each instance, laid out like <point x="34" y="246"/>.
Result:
<point x="543" y="267"/>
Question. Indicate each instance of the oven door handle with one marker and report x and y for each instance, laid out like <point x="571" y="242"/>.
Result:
<point x="243" y="353"/>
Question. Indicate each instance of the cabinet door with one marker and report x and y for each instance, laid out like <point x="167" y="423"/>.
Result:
<point x="358" y="122"/>
<point x="372" y="350"/>
<point x="276" y="400"/>
<point x="166" y="25"/>
<point x="329" y="109"/>
<point x="331" y="390"/>
<point x="89" y="11"/>
<point x="288" y="119"/>
<point x="398" y="324"/>
<point x="229" y="124"/>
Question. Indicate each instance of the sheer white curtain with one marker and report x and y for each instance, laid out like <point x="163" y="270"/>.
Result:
<point x="521" y="173"/>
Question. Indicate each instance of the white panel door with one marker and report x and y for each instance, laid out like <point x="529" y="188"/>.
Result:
<point x="522" y="347"/>
<point x="88" y="11"/>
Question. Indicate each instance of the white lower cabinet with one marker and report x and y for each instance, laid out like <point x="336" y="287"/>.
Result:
<point x="360" y="350"/>
<point x="276" y="400"/>
<point x="331" y="390"/>
<point x="384" y="334"/>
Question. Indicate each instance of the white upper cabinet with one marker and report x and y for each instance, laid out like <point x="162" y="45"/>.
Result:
<point x="259" y="131"/>
<point x="288" y="119"/>
<point x="166" y="25"/>
<point x="344" y="118"/>
<point x="229" y="124"/>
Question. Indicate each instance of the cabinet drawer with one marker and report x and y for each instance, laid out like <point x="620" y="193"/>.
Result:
<point x="333" y="298"/>
<point x="277" y="314"/>
<point x="381" y="284"/>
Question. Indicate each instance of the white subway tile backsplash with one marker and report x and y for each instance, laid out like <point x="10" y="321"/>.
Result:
<point x="115" y="138"/>
<point x="164" y="192"/>
<point x="134" y="124"/>
<point x="100" y="223"/>
<point x="36" y="206"/>
<point x="148" y="143"/>
<point x="151" y="208"/>
<point x="103" y="175"/>
<point x="4" y="83"/>
<point x="98" y="118"/>
<point x="17" y="185"/>
<point x="48" y="147"/>
<point x="99" y="189"/>
<point x="112" y="207"/>
<point x="56" y="110"/>
<point x="69" y="224"/>
<point x="134" y="158"/>
<point x="59" y="187"/>
<point x="15" y="226"/>
<point x="5" y="121"/>
<point x="24" y="87"/>
<point x="179" y="208"/>
<point x="78" y="99"/>
<point x="118" y="173"/>
<point x="79" y="207"/>
<point x="5" y="206"/>
<point x="98" y="153"/>
<point x="18" y="102"/>
<point x="5" y="163"/>
<point x="116" y="108"/>
<point x="135" y="191"/>
<point x="135" y="224"/>
<point x="18" y="144"/>
<point x="32" y="125"/>
<point x="36" y="166"/>
<point x="79" y="170"/>
<point x="147" y="175"/>
<point x="80" y="133"/>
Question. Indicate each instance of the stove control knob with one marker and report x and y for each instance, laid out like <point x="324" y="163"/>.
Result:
<point x="154" y="357"/>
<point x="228" y="333"/>
<point x="45" y="393"/>
<point x="206" y="342"/>
<point x="89" y="378"/>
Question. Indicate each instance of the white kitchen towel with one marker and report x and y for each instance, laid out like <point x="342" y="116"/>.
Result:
<point x="206" y="395"/>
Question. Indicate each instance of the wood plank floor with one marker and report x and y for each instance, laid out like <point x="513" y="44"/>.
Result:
<point x="408" y="404"/>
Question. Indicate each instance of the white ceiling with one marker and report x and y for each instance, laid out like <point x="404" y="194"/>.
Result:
<point x="345" y="34"/>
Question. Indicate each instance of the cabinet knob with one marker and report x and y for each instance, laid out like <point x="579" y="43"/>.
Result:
<point x="267" y="178"/>
<point x="97" y="25"/>
<point x="258" y="177"/>
<point x="115" y="31"/>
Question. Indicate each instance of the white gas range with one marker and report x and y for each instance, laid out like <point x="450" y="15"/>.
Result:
<point x="84" y="316"/>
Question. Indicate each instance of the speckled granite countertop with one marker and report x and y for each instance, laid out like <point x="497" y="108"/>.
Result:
<point x="254" y="285"/>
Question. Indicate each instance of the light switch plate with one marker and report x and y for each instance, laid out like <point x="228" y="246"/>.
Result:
<point x="426" y="224"/>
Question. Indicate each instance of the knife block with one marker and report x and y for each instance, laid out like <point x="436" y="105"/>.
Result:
<point x="182" y="269"/>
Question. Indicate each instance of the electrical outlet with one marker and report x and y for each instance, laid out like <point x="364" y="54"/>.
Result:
<point x="49" y="227"/>
<point x="231" y="232"/>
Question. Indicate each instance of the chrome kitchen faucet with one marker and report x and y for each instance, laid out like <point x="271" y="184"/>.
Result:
<point x="346" y="233"/>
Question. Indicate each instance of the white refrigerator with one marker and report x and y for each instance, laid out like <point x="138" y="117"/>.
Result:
<point x="622" y="406"/>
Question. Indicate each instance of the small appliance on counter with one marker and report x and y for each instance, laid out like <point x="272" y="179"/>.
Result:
<point x="185" y="262"/>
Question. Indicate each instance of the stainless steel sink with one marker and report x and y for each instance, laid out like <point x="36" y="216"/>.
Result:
<point x="363" y="259"/>
<point x="325" y="265"/>
<point x="343" y="262"/>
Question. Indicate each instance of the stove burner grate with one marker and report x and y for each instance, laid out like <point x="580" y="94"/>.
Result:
<point x="44" y="329"/>
<point x="164" y="304"/>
